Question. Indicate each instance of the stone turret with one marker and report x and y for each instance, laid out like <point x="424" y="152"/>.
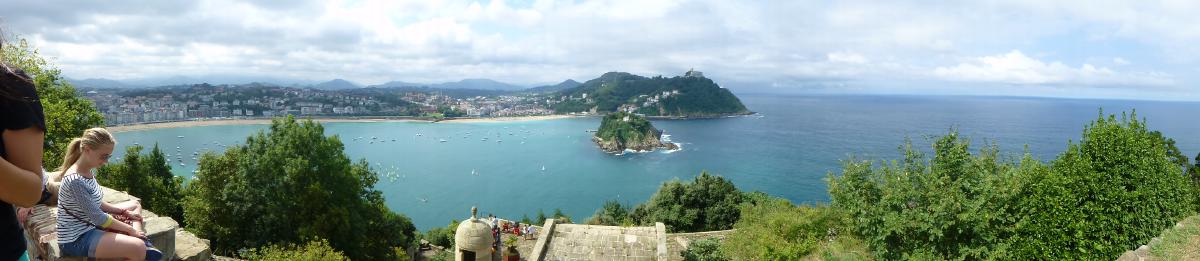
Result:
<point x="473" y="239"/>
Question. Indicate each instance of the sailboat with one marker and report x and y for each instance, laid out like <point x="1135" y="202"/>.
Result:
<point x="474" y="173"/>
<point x="543" y="167"/>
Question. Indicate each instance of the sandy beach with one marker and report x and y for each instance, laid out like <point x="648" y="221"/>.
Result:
<point x="198" y="123"/>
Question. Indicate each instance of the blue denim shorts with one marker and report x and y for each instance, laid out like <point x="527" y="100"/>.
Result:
<point x="85" y="245"/>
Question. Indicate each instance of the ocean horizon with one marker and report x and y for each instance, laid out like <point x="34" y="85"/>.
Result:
<point x="786" y="149"/>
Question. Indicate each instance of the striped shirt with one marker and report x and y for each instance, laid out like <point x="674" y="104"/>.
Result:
<point x="80" y="196"/>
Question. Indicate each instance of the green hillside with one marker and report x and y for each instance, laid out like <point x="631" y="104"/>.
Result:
<point x="680" y="96"/>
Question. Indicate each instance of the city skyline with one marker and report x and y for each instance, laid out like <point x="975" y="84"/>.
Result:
<point x="1072" y="49"/>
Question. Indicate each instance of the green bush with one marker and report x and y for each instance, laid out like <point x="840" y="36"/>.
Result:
<point x="774" y="229"/>
<point x="313" y="250"/>
<point x="707" y="249"/>
<point x="1111" y="192"/>
<point x="441" y="236"/>
<point x="289" y="184"/>
<point x="707" y="203"/>
<point x="1114" y="190"/>
<point x="612" y="214"/>
<point x="148" y="177"/>
<point x="562" y="218"/>
<point x="953" y="206"/>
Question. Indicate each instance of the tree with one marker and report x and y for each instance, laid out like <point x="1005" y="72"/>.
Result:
<point x="288" y="184"/>
<point x="707" y="249"/>
<point x="67" y="113"/>
<point x="707" y="203"/>
<point x="442" y="236"/>
<point x="541" y="217"/>
<point x="1173" y="153"/>
<point x="953" y="206"/>
<point x="612" y="214"/>
<point x="775" y="229"/>
<point x="147" y="177"/>
<point x="562" y="218"/>
<point x="1112" y="191"/>
<point x="316" y="250"/>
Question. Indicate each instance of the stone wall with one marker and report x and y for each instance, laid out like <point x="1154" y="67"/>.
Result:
<point x="163" y="232"/>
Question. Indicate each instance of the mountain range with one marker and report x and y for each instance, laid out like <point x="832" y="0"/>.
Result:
<point x="335" y="84"/>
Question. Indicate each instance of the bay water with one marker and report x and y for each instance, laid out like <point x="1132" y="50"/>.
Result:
<point x="785" y="150"/>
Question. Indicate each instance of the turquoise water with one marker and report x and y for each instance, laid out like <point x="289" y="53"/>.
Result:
<point x="786" y="150"/>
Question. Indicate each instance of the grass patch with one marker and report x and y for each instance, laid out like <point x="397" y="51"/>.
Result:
<point x="1180" y="243"/>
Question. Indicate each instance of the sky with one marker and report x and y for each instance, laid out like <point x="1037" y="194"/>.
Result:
<point x="1077" y="49"/>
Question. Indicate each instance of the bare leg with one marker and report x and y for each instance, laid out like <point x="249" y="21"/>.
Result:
<point x="113" y="245"/>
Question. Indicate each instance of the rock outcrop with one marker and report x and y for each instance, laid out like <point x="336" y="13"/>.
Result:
<point x="626" y="131"/>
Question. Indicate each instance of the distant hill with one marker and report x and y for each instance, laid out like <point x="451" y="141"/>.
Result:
<point x="554" y="88"/>
<point x="397" y="84"/>
<point x="184" y="80"/>
<point x="98" y="83"/>
<point x="690" y="96"/>
<point x="472" y="84"/>
<point x="478" y="84"/>
<point x="336" y="84"/>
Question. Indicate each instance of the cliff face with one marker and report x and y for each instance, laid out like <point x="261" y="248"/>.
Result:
<point x="621" y="131"/>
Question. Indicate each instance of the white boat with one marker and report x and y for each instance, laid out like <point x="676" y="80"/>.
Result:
<point x="474" y="173"/>
<point x="180" y="136"/>
<point x="543" y="167"/>
<point x="418" y="134"/>
<point x="442" y="140"/>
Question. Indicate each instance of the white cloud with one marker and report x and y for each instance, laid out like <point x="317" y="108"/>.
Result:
<point x="846" y="57"/>
<point x="1016" y="68"/>
<point x="758" y="43"/>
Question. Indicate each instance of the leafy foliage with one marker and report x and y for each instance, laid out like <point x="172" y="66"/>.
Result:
<point x="774" y="229"/>
<point x="313" y="250"/>
<point x="561" y="218"/>
<point x="612" y="214"/>
<point x="67" y="113"/>
<point x="147" y="176"/>
<point x="707" y="249"/>
<point x="1112" y="191"/>
<point x="954" y="206"/>
<point x="288" y="184"/>
<point x="698" y="97"/>
<point x="541" y="217"/>
<point x="614" y="127"/>
<point x="707" y="203"/>
<point x="441" y="236"/>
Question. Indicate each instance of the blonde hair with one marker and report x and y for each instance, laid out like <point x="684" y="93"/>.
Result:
<point x="92" y="138"/>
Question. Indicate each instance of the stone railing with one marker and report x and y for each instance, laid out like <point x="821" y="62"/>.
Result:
<point x="163" y="232"/>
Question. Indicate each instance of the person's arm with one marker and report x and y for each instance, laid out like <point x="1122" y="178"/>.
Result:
<point x="21" y="172"/>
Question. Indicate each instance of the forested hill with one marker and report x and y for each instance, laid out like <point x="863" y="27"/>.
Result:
<point x="689" y="96"/>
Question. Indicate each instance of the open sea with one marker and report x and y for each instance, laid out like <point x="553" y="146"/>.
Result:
<point x="785" y="150"/>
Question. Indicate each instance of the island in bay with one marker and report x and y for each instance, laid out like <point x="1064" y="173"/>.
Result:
<point x="623" y="131"/>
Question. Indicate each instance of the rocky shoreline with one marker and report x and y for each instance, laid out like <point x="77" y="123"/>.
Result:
<point x="620" y="132"/>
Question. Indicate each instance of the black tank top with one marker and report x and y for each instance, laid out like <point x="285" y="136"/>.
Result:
<point x="23" y="110"/>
